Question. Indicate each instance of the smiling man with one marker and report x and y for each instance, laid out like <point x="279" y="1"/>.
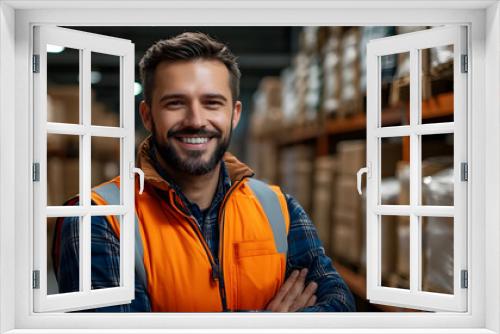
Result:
<point x="209" y="236"/>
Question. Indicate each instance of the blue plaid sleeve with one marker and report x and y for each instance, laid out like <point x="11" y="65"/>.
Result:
<point x="105" y="263"/>
<point x="306" y="251"/>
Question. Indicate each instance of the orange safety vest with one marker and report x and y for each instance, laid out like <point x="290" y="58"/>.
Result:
<point x="175" y="264"/>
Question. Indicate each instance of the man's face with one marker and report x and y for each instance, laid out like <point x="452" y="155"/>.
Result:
<point x="192" y="114"/>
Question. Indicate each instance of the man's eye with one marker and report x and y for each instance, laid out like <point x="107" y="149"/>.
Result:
<point x="214" y="103"/>
<point x="174" y="103"/>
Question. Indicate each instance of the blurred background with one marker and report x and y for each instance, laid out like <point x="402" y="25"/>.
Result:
<point x="303" y="127"/>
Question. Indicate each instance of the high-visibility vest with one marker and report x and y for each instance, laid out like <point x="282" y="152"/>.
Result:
<point x="175" y="265"/>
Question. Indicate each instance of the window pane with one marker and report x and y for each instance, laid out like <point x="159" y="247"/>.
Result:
<point x="437" y="170"/>
<point x="395" y="89"/>
<point x="395" y="251"/>
<point x="63" y="254"/>
<point x="63" y="70"/>
<point x="437" y="84"/>
<point x="105" y="78"/>
<point x="394" y="152"/>
<point x="62" y="168"/>
<point x="105" y="159"/>
<point x="437" y="251"/>
<point x="105" y="251"/>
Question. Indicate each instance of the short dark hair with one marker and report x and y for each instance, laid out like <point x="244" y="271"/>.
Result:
<point x="187" y="46"/>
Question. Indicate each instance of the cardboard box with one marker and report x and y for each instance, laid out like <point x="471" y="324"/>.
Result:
<point x="389" y="191"/>
<point x="347" y="236"/>
<point x="346" y="196"/>
<point x="296" y="174"/>
<point x="331" y="74"/>
<point x="389" y="244"/>
<point x="55" y="184"/>
<point x="403" y="247"/>
<point x="437" y="234"/>
<point x="71" y="178"/>
<point x="352" y="156"/>
<point x="346" y="244"/>
<point x="351" y="98"/>
<point x="64" y="106"/>
<point x="437" y="242"/>
<point x="323" y="198"/>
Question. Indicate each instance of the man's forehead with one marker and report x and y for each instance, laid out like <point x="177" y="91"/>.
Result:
<point x="203" y="72"/>
<point x="193" y="65"/>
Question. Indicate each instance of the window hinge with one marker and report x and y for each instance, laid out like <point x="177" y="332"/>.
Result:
<point x="36" y="279"/>
<point x="36" y="63"/>
<point x="465" y="66"/>
<point x="36" y="172"/>
<point x="465" y="279"/>
<point x="464" y="171"/>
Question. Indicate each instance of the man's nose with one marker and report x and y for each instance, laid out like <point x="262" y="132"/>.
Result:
<point x="194" y="116"/>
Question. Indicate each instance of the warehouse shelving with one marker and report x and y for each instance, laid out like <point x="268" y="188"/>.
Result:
<point x="320" y="133"/>
<point x="438" y="106"/>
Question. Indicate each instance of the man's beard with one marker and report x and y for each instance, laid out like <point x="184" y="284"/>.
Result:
<point x="193" y="164"/>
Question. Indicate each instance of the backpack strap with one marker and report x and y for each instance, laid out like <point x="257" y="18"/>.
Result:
<point x="272" y="208"/>
<point x="111" y="194"/>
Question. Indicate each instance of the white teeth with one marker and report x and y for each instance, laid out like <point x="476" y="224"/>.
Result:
<point x="194" y="140"/>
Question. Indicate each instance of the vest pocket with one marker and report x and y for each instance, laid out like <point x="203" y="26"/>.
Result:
<point x="259" y="273"/>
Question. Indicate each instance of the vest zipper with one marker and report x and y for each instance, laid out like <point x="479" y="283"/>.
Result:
<point x="221" y="243"/>
<point x="215" y="268"/>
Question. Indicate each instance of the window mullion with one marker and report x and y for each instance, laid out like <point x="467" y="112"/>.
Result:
<point x="85" y="172"/>
<point x="127" y="237"/>
<point x="415" y="254"/>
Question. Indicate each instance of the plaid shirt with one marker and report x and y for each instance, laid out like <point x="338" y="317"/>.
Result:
<point x="304" y="251"/>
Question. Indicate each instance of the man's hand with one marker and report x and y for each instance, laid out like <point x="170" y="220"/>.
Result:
<point x="292" y="295"/>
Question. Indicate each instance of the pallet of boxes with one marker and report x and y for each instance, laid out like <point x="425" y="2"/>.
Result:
<point x="296" y="173"/>
<point x="437" y="232"/>
<point x="266" y="120"/>
<point x="347" y="230"/>
<point x="63" y="156"/>
<point x="348" y="238"/>
<point x="325" y="168"/>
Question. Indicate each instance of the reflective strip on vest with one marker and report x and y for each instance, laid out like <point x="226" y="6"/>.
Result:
<point x="272" y="208"/>
<point x="111" y="194"/>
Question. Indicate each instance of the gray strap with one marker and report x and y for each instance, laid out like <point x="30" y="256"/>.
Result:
<point x="272" y="208"/>
<point x="111" y="194"/>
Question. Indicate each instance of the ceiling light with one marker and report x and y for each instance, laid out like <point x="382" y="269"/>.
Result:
<point x="137" y="88"/>
<point x="95" y="77"/>
<point x="55" y="48"/>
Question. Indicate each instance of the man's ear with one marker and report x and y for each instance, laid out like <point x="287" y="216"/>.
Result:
<point x="146" y="116"/>
<point x="236" y="113"/>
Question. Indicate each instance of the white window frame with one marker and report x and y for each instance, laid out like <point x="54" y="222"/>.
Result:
<point x="16" y="20"/>
<point x="85" y="43"/>
<point x="412" y="43"/>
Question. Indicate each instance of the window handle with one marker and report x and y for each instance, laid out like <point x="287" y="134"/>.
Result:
<point x="359" y="174"/>
<point x="134" y="170"/>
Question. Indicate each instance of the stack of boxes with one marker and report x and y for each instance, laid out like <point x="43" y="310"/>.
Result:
<point x="324" y="181"/>
<point x="350" y="91"/>
<point x="63" y="163"/>
<point x="325" y="185"/>
<point x="437" y="241"/>
<point x="296" y="174"/>
<point x="347" y="236"/>
<point x="330" y="54"/>
<point x="267" y="109"/>
<point x="63" y="157"/>
<point x="326" y="79"/>
<point x="433" y="193"/>
<point x="267" y="117"/>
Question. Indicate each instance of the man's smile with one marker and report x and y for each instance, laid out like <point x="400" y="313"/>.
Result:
<point x="193" y="142"/>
